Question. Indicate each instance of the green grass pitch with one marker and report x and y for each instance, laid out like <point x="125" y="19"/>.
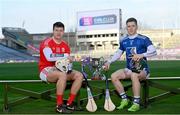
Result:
<point x="27" y="71"/>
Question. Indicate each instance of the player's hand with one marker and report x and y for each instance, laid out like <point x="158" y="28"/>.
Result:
<point x="106" y="66"/>
<point x="137" y="57"/>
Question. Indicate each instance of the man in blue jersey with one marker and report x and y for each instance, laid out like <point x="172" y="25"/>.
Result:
<point x="138" y="48"/>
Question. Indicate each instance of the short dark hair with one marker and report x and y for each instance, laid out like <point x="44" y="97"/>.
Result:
<point x="58" y="24"/>
<point x="131" y="20"/>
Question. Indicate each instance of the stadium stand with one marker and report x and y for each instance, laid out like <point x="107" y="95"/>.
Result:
<point x="166" y="41"/>
<point x="19" y="37"/>
<point x="173" y="42"/>
<point x="8" y="54"/>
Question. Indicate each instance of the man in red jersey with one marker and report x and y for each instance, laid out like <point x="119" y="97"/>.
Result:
<point x="51" y="50"/>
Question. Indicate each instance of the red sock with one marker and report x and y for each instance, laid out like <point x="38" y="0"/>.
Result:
<point x="71" y="99"/>
<point x="59" y="99"/>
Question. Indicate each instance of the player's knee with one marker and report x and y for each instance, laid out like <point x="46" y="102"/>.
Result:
<point x="79" y="76"/>
<point x="62" y="76"/>
<point x="113" y="78"/>
<point x="134" y="77"/>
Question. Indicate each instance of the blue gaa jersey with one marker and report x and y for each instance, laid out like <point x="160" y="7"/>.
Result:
<point x="137" y="45"/>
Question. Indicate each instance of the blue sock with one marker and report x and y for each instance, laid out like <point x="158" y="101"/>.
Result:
<point x="123" y="95"/>
<point x="136" y="99"/>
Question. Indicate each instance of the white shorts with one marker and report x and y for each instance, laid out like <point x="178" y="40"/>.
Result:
<point x="43" y="74"/>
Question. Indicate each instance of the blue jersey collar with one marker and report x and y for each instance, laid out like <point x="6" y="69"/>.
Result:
<point x="133" y="36"/>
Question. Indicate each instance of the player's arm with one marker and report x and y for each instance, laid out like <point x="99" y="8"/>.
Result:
<point x="50" y="56"/>
<point x="118" y="53"/>
<point x="151" y="51"/>
<point x="116" y="56"/>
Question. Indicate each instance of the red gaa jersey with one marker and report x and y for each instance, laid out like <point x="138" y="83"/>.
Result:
<point x="56" y="49"/>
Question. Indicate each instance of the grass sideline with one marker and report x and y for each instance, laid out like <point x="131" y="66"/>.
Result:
<point x="30" y="71"/>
